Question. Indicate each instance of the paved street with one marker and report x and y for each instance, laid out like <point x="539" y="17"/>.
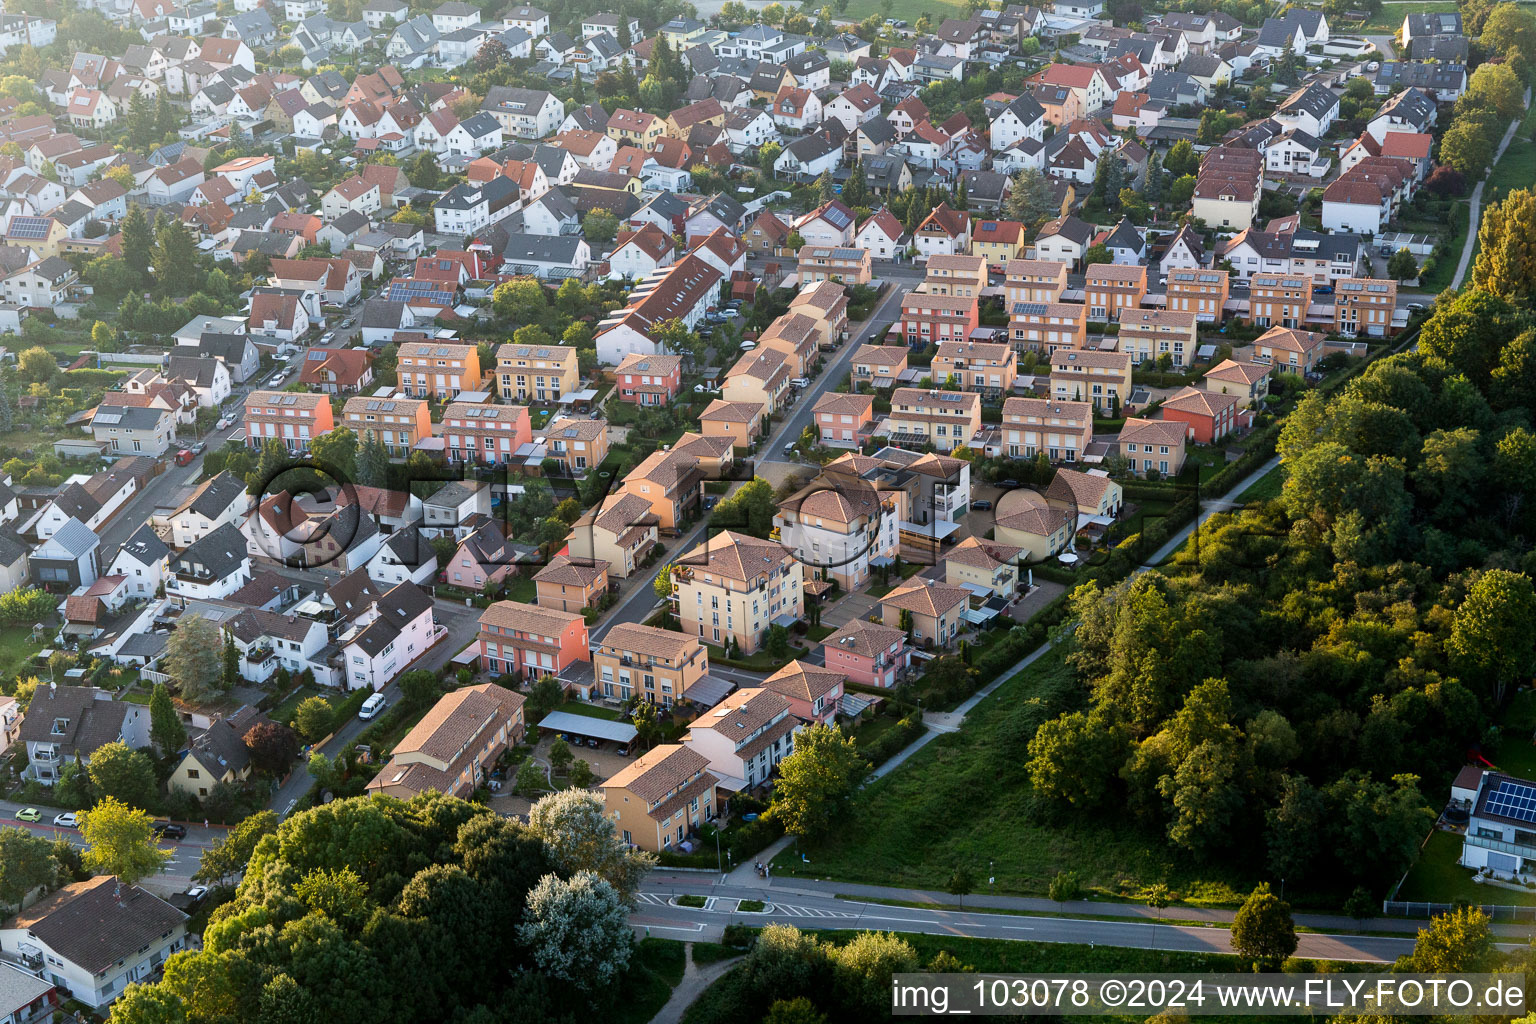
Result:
<point x="175" y="877"/>
<point x="792" y="902"/>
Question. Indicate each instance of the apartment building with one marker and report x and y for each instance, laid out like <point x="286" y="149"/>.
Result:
<point x="934" y="610"/>
<point x="759" y="377"/>
<point x="1062" y="430"/>
<point x="745" y="737"/>
<point x="399" y="423"/>
<point x="976" y="366"/>
<point x="844" y="265"/>
<point x="927" y="316"/>
<point x="842" y="524"/>
<point x="536" y="373"/>
<point x="1364" y="305"/>
<point x="671" y="482"/>
<point x="1153" y="445"/>
<point x="842" y="419"/>
<point x="797" y="336"/>
<point x="294" y="418"/>
<point x="648" y="379"/>
<point x="733" y="587"/>
<point x="1034" y="281"/>
<point x="867" y="653"/>
<point x="524" y="639"/>
<point x="1279" y="300"/>
<point x="959" y="276"/>
<point x="452" y="750"/>
<point x="878" y="366"/>
<point x="569" y="585"/>
<point x="1044" y="327"/>
<point x="1101" y="378"/>
<point x="432" y="369"/>
<point x="1150" y="334"/>
<point x="982" y="566"/>
<point x="1248" y="381"/>
<point x="661" y="797"/>
<point x="621" y="531"/>
<point x="945" y="419"/>
<point x="1201" y="292"/>
<point x="578" y="444"/>
<point x="1112" y="289"/>
<point x="658" y="665"/>
<point x="475" y="432"/>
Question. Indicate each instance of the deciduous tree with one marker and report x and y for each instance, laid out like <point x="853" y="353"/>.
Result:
<point x="1263" y="930"/>
<point x="1491" y="635"/>
<point x="579" y="836"/>
<point x="120" y="841"/>
<point x="314" y="718"/>
<point x="192" y="657"/>
<point x="817" y="781"/>
<point x="119" y="771"/>
<point x="1506" y="255"/>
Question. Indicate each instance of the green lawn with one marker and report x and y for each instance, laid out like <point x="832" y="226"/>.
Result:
<point x="1267" y="488"/>
<point x="1516" y="169"/>
<point x="522" y="589"/>
<point x="1517" y="753"/>
<point x="284" y="711"/>
<point x="964" y="799"/>
<point x="1439" y="277"/>
<point x="576" y="707"/>
<point x="1390" y="17"/>
<point x="908" y="10"/>
<point x="705" y="953"/>
<point x="761" y="661"/>
<point x="17" y="648"/>
<point x="1436" y="878"/>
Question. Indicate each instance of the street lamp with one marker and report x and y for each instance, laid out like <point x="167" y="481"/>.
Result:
<point x="719" y="864"/>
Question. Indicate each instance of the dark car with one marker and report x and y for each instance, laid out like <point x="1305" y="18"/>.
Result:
<point x="982" y="505"/>
<point x="170" y="830"/>
<point x="1007" y="484"/>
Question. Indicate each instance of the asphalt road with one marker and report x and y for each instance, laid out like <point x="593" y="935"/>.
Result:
<point x="807" y="909"/>
<point x="174" y="877"/>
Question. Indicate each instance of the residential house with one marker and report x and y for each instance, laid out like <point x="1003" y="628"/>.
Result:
<point x="661" y="797"/>
<point x="452" y="749"/>
<point x="294" y="418"/>
<point x="1208" y="415"/>
<point x="1201" y="292"/>
<point x="740" y="422"/>
<point x="867" y="653"/>
<point x="542" y="373"/>
<point x="814" y="693"/>
<point x="733" y="587"/>
<point x="944" y="419"/>
<point x="1061" y="430"/>
<point x="621" y="531"/>
<point x="1030" y="524"/>
<point x="214" y="567"/>
<point x="401" y="631"/>
<point x="1147" y="335"/>
<point x="570" y="586"/>
<point x="656" y="665"/>
<point x="530" y="641"/>
<point x="744" y="737"/>
<point x="1102" y="378"/>
<point x="931" y="612"/>
<point x="1153" y="446"/>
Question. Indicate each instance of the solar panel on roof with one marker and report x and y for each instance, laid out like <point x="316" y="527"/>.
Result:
<point x="109" y="417"/>
<point x="28" y="227"/>
<point x="1513" y="800"/>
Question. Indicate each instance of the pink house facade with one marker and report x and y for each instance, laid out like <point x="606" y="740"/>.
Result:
<point x="867" y="653"/>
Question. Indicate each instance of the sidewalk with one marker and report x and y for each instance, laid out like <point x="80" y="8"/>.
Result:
<point x="1474" y="215"/>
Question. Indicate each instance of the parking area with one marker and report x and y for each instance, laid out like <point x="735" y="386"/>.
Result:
<point x="853" y="606"/>
<point x="605" y="762"/>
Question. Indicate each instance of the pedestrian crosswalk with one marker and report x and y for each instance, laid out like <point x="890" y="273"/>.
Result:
<point x="726" y="905"/>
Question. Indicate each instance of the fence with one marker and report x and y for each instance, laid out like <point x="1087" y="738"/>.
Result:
<point x="151" y="676"/>
<point x="1496" y="912"/>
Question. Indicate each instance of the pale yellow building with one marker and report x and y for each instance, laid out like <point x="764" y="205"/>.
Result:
<point x="984" y="564"/>
<point x="621" y="531"/>
<point x="1025" y="520"/>
<point x="736" y="586"/>
<point x="1150" y="334"/>
<point x="1062" y="430"/>
<point x="1088" y="375"/>
<point x="761" y="376"/>
<point x="657" y="664"/>
<point x="657" y="800"/>
<point x="1034" y="281"/>
<point x="536" y="373"/>
<point x="945" y="419"/>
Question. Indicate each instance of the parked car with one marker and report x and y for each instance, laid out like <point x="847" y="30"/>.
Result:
<point x="981" y="505"/>
<point x="69" y="819"/>
<point x="789" y="449"/>
<point x="29" y="814"/>
<point x="372" y="706"/>
<point x="1323" y="289"/>
<point x="169" y="830"/>
<point x="748" y="346"/>
<point x="730" y="313"/>
<point x="801" y="382"/>
<point x="1007" y="484"/>
<point x="225" y="422"/>
<point x="184" y="456"/>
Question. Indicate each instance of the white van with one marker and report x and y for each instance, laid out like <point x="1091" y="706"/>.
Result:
<point x="372" y="706"/>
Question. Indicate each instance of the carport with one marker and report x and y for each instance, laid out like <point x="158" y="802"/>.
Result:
<point x="586" y="727"/>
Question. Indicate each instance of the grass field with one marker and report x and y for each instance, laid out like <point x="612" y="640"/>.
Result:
<point x="1516" y="169"/>
<point x="965" y="799"/>
<point x="522" y="589"/>
<point x="576" y="707"/>
<point x="1266" y="489"/>
<point x="907" y="10"/>
<point x="1390" y="17"/>
<point x="17" y="648"/>
<point x="1436" y="878"/>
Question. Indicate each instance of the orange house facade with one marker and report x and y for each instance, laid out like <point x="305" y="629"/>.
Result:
<point x="473" y="432"/>
<point x="294" y="419"/>
<point x="431" y="369"/>
<point x="532" y="641"/>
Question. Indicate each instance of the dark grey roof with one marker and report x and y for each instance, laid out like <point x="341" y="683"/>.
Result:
<point x="129" y="417"/>
<point x="480" y="124"/>
<point x="199" y="371"/>
<point x="11" y="550"/>
<point x="75" y="501"/>
<point x="1451" y="49"/>
<point x="1413" y="106"/>
<point x="1126" y="236"/>
<point x="230" y="348"/>
<point x="1426" y="76"/>
<point x="1026" y="109"/>
<point x="100" y="922"/>
<point x="349" y="223"/>
<point x="401" y="605"/>
<point x="1313" y="98"/>
<point x="213" y="497"/>
<point x="146" y="546"/>
<point x="878" y="130"/>
<point x="985" y="186"/>
<point x="558" y="249"/>
<point x="382" y="313"/>
<point x="812" y="147"/>
<point x="1442" y="23"/>
<point x="74" y="718"/>
<point x="219" y="555"/>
